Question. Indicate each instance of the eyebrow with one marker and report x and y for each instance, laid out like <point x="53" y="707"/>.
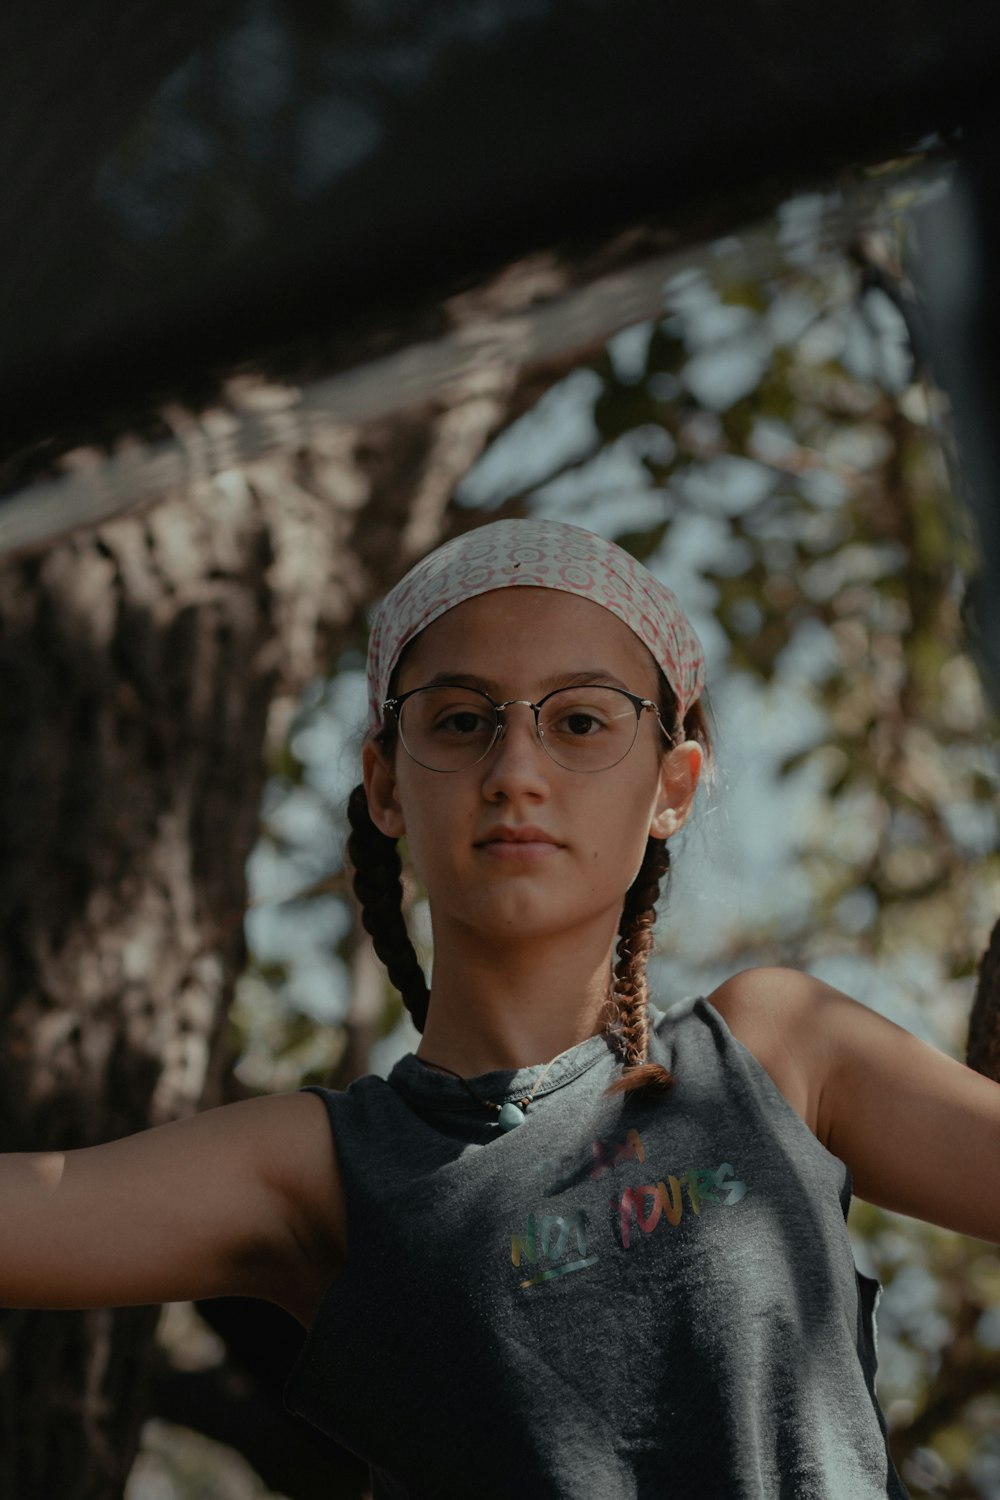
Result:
<point x="590" y="676"/>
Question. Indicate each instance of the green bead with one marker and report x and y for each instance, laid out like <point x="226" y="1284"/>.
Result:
<point x="509" y="1116"/>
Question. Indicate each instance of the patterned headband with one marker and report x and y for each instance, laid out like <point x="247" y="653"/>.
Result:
<point x="535" y="554"/>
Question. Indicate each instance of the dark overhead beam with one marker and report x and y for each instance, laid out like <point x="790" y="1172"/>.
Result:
<point x="203" y="186"/>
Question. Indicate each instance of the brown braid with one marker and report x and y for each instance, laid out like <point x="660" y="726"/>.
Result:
<point x="630" y="1024"/>
<point x="379" y="889"/>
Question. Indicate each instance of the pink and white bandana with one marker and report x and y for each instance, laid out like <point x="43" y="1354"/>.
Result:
<point x="543" y="555"/>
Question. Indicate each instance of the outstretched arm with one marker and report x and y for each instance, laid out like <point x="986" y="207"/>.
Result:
<point x="919" y="1131"/>
<point x="242" y="1200"/>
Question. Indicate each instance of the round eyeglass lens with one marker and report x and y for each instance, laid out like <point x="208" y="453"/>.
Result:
<point x="447" y="728"/>
<point x="581" y="728"/>
<point x="588" y="728"/>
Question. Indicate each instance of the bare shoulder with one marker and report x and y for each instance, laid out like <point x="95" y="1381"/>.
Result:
<point x="286" y="1138"/>
<point x="785" y="1018"/>
<point x="275" y="1156"/>
<point x="240" y="1200"/>
<point x="919" y="1131"/>
<point x="292" y="1139"/>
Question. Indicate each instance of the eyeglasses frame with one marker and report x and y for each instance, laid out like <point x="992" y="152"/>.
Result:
<point x="394" y="707"/>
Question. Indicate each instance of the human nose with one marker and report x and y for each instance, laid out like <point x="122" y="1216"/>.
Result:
<point x="518" y="759"/>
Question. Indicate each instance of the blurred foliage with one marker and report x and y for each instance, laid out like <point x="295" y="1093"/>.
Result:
<point x="770" y="450"/>
<point x="178" y="1464"/>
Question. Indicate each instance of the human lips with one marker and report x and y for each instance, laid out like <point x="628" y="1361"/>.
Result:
<point x="522" y="841"/>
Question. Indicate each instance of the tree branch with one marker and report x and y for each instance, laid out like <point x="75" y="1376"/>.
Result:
<point x="983" y="1052"/>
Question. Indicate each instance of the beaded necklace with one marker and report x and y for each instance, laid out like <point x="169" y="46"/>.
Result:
<point x="511" y="1113"/>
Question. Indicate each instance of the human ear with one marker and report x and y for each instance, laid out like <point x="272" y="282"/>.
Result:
<point x="680" y="772"/>
<point x="384" y="807"/>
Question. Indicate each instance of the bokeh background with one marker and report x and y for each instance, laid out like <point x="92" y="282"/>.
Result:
<point x="772" y="449"/>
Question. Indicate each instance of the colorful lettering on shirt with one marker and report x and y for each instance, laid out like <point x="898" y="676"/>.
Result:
<point x="728" y="1184"/>
<point x="561" y="1239"/>
<point x="550" y="1237"/>
<point x="631" y="1148"/>
<point x="648" y="1203"/>
<point x="558" y="1176"/>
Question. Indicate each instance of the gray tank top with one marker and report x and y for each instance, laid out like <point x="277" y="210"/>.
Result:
<point x="623" y="1297"/>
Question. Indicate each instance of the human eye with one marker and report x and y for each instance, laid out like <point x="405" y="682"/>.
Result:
<point x="461" y="721"/>
<point x="580" y="723"/>
<point x="458" y="716"/>
<point x="579" y="716"/>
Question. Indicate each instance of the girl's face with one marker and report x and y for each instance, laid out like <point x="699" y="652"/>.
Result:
<point x="590" y="827"/>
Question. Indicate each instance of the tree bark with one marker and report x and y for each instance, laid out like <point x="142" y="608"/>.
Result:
<point x="138" y="670"/>
<point x="145" y="669"/>
<point x="983" y="1052"/>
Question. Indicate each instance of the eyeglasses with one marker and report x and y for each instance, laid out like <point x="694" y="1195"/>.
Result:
<point x="450" y="728"/>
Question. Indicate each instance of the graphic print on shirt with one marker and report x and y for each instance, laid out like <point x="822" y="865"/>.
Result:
<point x="551" y="1236"/>
<point x="561" y="1243"/>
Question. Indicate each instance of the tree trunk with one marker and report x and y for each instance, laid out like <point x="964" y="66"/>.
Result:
<point x="145" y="667"/>
<point x="983" y="1052"/>
<point x="137" y="670"/>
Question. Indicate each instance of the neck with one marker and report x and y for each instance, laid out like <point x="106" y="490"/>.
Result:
<point x="492" y="1007"/>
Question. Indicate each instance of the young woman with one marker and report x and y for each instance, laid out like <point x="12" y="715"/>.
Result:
<point x="574" y="1246"/>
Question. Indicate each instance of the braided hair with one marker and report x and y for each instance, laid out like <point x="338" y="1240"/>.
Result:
<point x="378" y="886"/>
<point x="629" y="1020"/>
<point x="629" y="1025"/>
<point x="379" y="889"/>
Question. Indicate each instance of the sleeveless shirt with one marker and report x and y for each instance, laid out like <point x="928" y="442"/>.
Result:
<point x="623" y="1297"/>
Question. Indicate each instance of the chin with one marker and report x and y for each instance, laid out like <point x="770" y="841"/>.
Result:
<point x="526" y="914"/>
